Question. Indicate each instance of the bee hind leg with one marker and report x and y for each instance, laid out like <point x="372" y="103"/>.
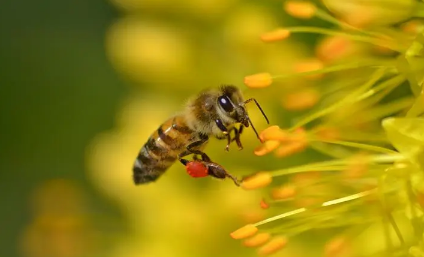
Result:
<point x="217" y="171"/>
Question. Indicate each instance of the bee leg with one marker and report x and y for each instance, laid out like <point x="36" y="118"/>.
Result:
<point x="217" y="171"/>
<point x="221" y="126"/>
<point x="191" y="149"/>
<point x="236" y="138"/>
<point x="184" y="161"/>
<point x="229" y="139"/>
<point x="227" y="147"/>
<point x="235" y="180"/>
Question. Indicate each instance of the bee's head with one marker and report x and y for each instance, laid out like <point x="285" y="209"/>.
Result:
<point x="232" y="104"/>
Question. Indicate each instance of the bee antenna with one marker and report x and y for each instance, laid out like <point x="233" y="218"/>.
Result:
<point x="257" y="104"/>
<point x="253" y="127"/>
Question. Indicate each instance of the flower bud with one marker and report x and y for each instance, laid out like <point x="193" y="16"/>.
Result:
<point x="300" y="9"/>
<point x="309" y="65"/>
<point x="244" y="232"/>
<point x="273" y="133"/>
<point x="257" y="240"/>
<point x="258" y="180"/>
<point x="284" y="192"/>
<point x="300" y="100"/>
<point x="273" y="245"/>
<point x="266" y="147"/>
<point x="275" y="35"/>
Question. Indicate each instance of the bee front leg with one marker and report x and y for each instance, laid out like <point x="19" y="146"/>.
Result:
<point x="237" y="133"/>
<point x="236" y="138"/>
<point x="221" y="126"/>
<point x="227" y="147"/>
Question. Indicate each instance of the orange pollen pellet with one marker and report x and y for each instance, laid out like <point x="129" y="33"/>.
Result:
<point x="266" y="147"/>
<point x="258" y="180"/>
<point x="257" y="240"/>
<point x="244" y="232"/>
<point x="275" y="35"/>
<point x="273" y="245"/>
<point x="300" y="9"/>
<point x="258" y="80"/>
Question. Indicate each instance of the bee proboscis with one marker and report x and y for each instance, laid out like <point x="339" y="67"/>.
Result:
<point x="214" y="112"/>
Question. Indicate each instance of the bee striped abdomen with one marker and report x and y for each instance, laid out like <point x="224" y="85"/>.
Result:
<point x="161" y="150"/>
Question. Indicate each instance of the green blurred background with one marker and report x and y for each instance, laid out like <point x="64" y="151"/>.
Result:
<point x="84" y="83"/>
<point x="57" y="91"/>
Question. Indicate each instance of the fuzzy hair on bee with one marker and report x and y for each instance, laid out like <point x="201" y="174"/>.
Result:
<point x="212" y="113"/>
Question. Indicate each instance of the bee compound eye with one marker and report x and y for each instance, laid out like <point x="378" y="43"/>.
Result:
<point x="225" y="103"/>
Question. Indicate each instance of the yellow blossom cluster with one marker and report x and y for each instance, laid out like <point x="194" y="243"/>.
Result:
<point x="363" y="89"/>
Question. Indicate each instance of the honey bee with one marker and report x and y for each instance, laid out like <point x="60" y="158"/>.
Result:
<point x="214" y="112"/>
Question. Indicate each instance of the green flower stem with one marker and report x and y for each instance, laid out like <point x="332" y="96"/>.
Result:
<point x="329" y="150"/>
<point x="355" y="37"/>
<point x="415" y="220"/>
<point x="385" y="212"/>
<point x="355" y="96"/>
<point x="387" y="109"/>
<point x="417" y="108"/>
<point x="325" y="204"/>
<point x="381" y="94"/>
<point x="392" y="82"/>
<point x="327" y="17"/>
<point x="294" y="224"/>
<point x="349" y="198"/>
<point x="341" y="67"/>
<point x="363" y="136"/>
<point x="281" y="216"/>
<point x="359" y="146"/>
<point x="419" y="10"/>
<point x="386" y="231"/>
<point x="337" y="165"/>
<point x="307" y="169"/>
